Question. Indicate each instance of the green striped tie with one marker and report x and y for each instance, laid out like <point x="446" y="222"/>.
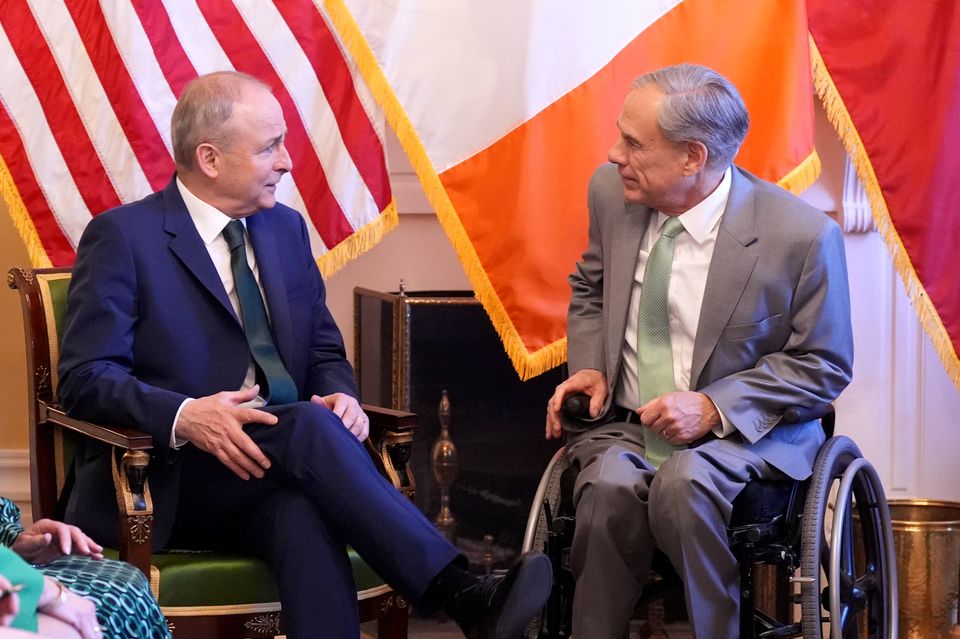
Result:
<point x="276" y="385"/>
<point x="654" y="353"/>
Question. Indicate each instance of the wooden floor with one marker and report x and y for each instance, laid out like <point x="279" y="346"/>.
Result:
<point x="430" y="629"/>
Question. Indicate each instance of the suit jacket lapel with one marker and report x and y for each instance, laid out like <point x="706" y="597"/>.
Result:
<point x="628" y="231"/>
<point x="189" y="248"/>
<point x="271" y="279"/>
<point x="734" y="258"/>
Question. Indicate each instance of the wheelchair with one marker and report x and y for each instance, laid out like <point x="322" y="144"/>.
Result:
<point x="830" y="534"/>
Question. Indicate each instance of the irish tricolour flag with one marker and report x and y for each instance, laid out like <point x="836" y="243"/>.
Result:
<point x="506" y="107"/>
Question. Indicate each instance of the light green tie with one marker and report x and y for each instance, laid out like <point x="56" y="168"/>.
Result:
<point x="654" y="352"/>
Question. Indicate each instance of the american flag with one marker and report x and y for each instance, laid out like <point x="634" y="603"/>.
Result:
<point x="87" y="89"/>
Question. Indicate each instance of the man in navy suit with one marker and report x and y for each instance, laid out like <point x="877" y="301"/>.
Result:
<point x="254" y="432"/>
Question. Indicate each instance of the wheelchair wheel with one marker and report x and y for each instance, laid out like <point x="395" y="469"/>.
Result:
<point x="545" y="533"/>
<point x="548" y="492"/>
<point x="848" y="571"/>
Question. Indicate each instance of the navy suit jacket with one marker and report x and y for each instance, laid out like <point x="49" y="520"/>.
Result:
<point x="149" y="324"/>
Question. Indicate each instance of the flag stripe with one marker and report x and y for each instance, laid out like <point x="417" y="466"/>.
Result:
<point x="14" y="153"/>
<point x="136" y="123"/>
<point x="137" y="56"/>
<point x="42" y="156"/>
<point x="90" y="101"/>
<point x="169" y="53"/>
<point x="71" y="136"/>
<point x="307" y="24"/>
<point x="204" y="51"/>
<point x="319" y="121"/>
<point x="246" y="55"/>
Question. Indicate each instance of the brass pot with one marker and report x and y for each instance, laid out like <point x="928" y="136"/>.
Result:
<point x="926" y="535"/>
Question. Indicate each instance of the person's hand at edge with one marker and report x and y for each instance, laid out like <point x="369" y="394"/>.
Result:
<point x="47" y="540"/>
<point x="61" y="603"/>
<point x="9" y="603"/>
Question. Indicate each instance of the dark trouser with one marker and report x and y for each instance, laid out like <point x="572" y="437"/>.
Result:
<point x="322" y="493"/>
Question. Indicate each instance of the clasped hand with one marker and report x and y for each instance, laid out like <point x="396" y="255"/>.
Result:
<point x="681" y="417"/>
<point x="215" y="423"/>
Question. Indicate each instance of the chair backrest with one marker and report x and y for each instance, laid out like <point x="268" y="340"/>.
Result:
<point x="43" y="301"/>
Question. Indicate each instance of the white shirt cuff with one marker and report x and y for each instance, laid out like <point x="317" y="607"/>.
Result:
<point x="725" y="427"/>
<point x="177" y="442"/>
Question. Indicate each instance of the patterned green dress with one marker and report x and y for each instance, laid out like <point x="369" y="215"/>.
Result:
<point x="125" y="607"/>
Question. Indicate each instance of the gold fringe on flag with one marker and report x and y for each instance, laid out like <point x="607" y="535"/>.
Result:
<point x="21" y="219"/>
<point x="526" y="364"/>
<point x="803" y="176"/>
<point x="840" y="118"/>
<point x="362" y="240"/>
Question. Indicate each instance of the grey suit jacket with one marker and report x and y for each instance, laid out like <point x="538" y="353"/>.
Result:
<point x="774" y="327"/>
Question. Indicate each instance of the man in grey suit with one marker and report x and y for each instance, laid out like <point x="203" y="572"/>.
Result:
<point x="746" y="313"/>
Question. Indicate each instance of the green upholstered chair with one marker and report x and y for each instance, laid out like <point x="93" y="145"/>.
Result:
<point x="202" y="594"/>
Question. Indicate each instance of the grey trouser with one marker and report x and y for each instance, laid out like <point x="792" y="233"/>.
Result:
<point x="625" y="510"/>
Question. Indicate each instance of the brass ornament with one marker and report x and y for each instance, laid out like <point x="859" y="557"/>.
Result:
<point x="264" y="624"/>
<point x="140" y="526"/>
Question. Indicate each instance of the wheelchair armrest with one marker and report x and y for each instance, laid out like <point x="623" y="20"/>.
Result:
<point x="125" y="438"/>
<point x="797" y="414"/>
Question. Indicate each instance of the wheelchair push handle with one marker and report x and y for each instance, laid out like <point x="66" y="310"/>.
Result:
<point x="577" y="405"/>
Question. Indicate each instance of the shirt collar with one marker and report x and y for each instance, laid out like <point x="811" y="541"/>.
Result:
<point x="701" y="220"/>
<point x="209" y="220"/>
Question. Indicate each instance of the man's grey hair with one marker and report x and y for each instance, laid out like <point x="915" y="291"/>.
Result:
<point x="700" y="105"/>
<point x="203" y="112"/>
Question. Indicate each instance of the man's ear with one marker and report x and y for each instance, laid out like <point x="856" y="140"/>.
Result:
<point x="208" y="160"/>
<point x="697" y="155"/>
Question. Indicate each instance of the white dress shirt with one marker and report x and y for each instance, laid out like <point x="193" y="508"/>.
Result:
<point x="210" y="223"/>
<point x="693" y="250"/>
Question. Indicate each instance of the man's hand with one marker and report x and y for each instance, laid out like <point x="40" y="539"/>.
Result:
<point x="681" y="417"/>
<point x="348" y="409"/>
<point x="47" y="540"/>
<point x="215" y="424"/>
<point x="589" y="381"/>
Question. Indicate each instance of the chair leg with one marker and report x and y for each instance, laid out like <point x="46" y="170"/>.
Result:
<point x="655" y="616"/>
<point x="393" y="623"/>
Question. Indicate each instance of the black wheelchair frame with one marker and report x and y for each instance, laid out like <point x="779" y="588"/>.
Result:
<point x="845" y="565"/>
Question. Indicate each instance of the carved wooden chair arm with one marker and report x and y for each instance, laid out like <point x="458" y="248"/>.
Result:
<point x="129" y="480"/>
<point x="390" y="444"/>
<point x="125" y="438"/>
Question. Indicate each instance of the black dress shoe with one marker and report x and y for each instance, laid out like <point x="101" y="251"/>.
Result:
<point x="501" y="606"/>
